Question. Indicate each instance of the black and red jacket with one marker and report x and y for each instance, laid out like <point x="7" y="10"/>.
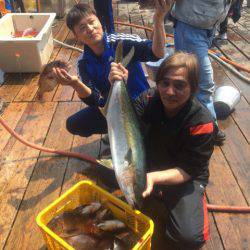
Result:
<point x="184" y="141"/>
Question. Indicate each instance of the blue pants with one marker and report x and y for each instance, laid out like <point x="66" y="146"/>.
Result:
<point x="105" y="14"/>
<point x="87" y="122"/>
<point x="198" y="41"/>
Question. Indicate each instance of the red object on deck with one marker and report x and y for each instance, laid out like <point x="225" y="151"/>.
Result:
<point x="30" y="32"/>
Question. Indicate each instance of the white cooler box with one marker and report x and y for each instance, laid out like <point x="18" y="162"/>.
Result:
<point x="25" y="54"/>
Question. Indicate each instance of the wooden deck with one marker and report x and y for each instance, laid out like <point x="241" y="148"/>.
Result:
<point x="30" y="180"/>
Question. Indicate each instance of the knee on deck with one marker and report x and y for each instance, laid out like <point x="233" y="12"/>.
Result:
<point x="73" y="127"/>
<point x="189" y="239"/>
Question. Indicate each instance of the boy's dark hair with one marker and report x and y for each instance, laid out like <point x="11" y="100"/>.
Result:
<point x="76" y="13"/>
<point x="178" y="60"/>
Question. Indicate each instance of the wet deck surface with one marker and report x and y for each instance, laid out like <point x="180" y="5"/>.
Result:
<point x="30" y="180"/>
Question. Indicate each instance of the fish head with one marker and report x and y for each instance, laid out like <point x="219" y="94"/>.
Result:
<point x="47" y="83"/>
<point x="69" y="222"/>
<point x="126" y="181"/>
<point x="131" y="178"/>
<point x="47" y="80"/>
<point x="89" y="209"/>
<point x="56" y="225"/>
<point x="134" y="198"/>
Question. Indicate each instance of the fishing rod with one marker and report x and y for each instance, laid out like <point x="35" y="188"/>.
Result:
<point x="90" y="159"/>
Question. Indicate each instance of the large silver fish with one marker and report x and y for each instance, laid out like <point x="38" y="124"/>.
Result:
<point x="126" y="142"/>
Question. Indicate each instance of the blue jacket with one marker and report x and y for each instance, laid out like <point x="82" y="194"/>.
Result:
<point x="93" y="70"/>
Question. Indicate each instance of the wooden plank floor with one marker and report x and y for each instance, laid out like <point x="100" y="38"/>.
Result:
<point x="31" y="180"/>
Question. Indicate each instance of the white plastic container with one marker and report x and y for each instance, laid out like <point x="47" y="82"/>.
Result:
<point x="25" y="54"/>
<point x="225" y="99"/>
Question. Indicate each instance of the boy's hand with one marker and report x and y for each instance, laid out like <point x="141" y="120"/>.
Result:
<point x="63" y="77"/>
<point x="117" y="73"/>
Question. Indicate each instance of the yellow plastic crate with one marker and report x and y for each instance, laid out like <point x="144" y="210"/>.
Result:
<point x="86" y="192"/>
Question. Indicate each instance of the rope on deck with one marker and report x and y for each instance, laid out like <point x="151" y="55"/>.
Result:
<point x="67" y="45"/>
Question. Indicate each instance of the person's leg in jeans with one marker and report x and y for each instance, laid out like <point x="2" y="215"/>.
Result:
<point x="194" y="40"/>
<point x="198" y="41"/>
<point x="104" y="12"/>
<point x="87" y="122"/>
<point x="187" y="220"/>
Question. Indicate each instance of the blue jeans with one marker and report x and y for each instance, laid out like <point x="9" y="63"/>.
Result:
<point x="198" y="41"/>
<point x="87" y="122"/>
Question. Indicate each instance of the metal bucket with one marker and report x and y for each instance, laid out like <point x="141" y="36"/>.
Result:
<point x="225" y="100"/>
<point x="152" y="67"/>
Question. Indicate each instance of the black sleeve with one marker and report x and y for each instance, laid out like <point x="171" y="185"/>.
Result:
<point x="143" y="105"/>
<point x="143" y="49"/>
<point x="197" y="150"/>
<point x="94" y="99"/>
<point x="139" y="105"/>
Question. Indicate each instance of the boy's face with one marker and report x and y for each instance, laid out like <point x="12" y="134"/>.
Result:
<point x="89" y="30"/>
<point x="174" y="89"/>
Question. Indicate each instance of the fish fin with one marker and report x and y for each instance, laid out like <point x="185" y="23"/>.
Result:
<point x="103" y="110"/>
<point x="106" y="163"/>
<point x="119" y="52"/>
<point x="128" y="156"/>
<point x="126" y="60"/>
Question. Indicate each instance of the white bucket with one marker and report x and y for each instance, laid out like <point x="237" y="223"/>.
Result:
<point x="225" y="100"/>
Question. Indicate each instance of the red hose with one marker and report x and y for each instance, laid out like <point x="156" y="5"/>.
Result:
<point x="138" y="26"/>
<point x="81" y="156"/>
<point x="227" y="209"/>
<point x="90" y="159"/>
<point x="236" y="65"/>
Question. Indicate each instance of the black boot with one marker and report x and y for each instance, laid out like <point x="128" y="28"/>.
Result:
<point x="219" y="138"/>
